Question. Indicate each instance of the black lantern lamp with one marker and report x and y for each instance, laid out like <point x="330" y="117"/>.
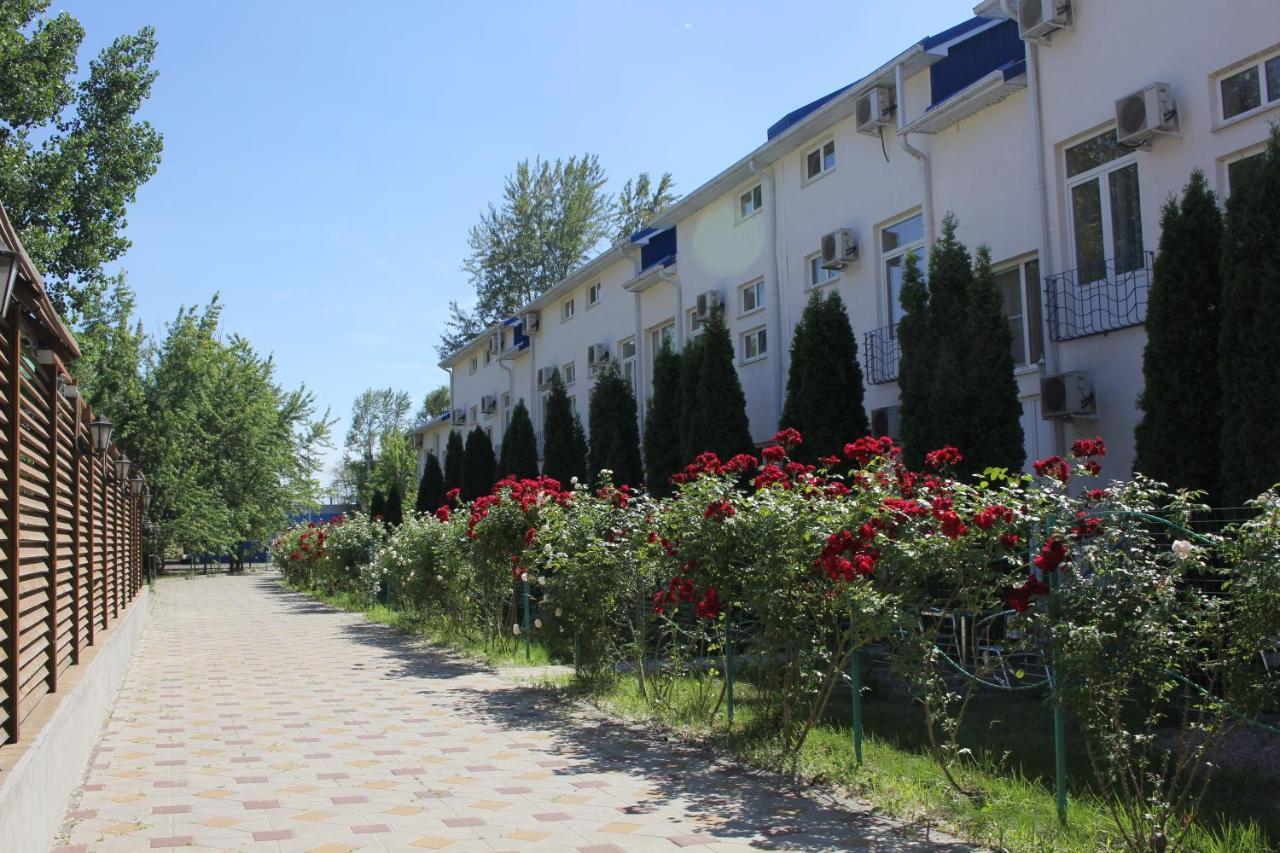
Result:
<point x="100" y="430"/>
<point x="123" y="467"/>
<point x="137" y="483"/>
<point x="146" y="496"/>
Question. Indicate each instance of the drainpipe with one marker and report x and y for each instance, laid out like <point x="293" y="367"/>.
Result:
<point x="926" y="171"/>
<point x="775" y="297"/>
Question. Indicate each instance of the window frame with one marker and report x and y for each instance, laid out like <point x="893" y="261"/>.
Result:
<point x="918" y="246"/>
<point x="1258" y="62"/>
<point x="1098" y="173"/>
<point x="473" y="365"/>
<point x="755" y="286"/>
<point x="760" y="335"/>
<point x="568" y="373"/>
<point x="756" y="194"/>
<point x="824" y="170"/>
<point x="568" y="309"/>
<point x="813" y="267"/>
<point x="504" y="400"/>
<point x="655" y="334"/>
<point x="1225" y="163"/>
<point x="1026" y="289"/>
<point x="595" y="294"/>
<point x="627" y="363"/>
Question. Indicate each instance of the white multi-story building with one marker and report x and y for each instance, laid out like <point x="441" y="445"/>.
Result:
<point x="1054" y="132"/>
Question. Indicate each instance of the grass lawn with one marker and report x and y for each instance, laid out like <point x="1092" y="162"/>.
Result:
<point x="1010" y="736"/>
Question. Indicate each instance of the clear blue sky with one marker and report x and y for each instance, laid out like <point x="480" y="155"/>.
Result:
<point x="323" y="160"/>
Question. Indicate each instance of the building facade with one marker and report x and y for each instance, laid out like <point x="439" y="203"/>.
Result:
<point x="1053" y="129"/>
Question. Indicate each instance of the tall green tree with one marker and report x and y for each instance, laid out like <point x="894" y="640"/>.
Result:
<point x="919" y="425"/>
<point x="992" y="415"/>
<point x="396" y="465"/>
<point x="430" y="486"/>
<point x="1179" y="439"/>
<point x="435" y="404"/>
<point x="662" y="456"/>
<point x="950" y="278"/>
<point x="395" y="506"/>
<point x="578" y="457"/>
<point x="72" y="151"/>
<point x="478" y="465"/>
<point x="454" y="457"/>
<point x="690" y="372"/>
<point x="1249" y="341"/>
<point x="559" y="449"/>
<point x="113" y="349"/>
<point x="378" y="505"/>
<point x="615" y="430"/>
<point x="519" y="455"/>
<point x="824" y="381"/>
<point x="640" y="202"/>
<point x="717" y="408"/>
<point x="552" y="215"/>
<point x="376" y="414"/>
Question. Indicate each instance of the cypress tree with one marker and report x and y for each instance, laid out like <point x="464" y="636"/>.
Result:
<point x="718" y="420"/>
<point x="519" y="446"/>
<point x="991" y="415"/>
<point x="454" y="454"/>
<point x="430" y="486"/>
<point x="662" y="456"/>
<point x="824" y="382"/>
<point x="915" y="365"/>
<point x="1179" y="439"/>
<point x="950" y="277"/>
<point x="690" y="370"/>
<point x="1249" y="341"/>
<point x="378" y="505"/>
<point x="615" y="432"/>
<point x="559" y="453"/>
<point x="478" y="465"/>
<point x="395" y="507"/>
<point x="578" y="458"/>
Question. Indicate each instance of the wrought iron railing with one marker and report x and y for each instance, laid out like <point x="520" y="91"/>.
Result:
<point x="1098" y="298"/>
<point x="880" y="354"/>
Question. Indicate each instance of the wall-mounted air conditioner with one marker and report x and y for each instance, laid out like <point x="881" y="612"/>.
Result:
<point x="887" y="421"/>
<point x="1067" y="395"/>
<point x="874" y="110"/>
<point x="597" y="357"/>
<point x="488" y="404"/>
<point x="707" y="302"/>
<point x="839" y="249"/>
<point x="459" y="417"/>
<point x="531" y="320"/>
<point x="544" y="377"/>
<point x="1039" y="19"/>
<point x="1146" y="112"/>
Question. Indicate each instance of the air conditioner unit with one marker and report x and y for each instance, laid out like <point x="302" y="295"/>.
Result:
<point x="839" y="249"/>
<point x="488" y="404"/>
<point x="874" y="110"/>
<point x="886" y="421"/>
<point x="1145" y="113"/>
<point x="459" y="417"/>
<point x="597" y="357"/>
<point x="544" y="377"/>
<point x="1067" y="395"/>
<point x="531" y="320"/>
<point x="708" y="301"/>
<point x="1038" y="19"/>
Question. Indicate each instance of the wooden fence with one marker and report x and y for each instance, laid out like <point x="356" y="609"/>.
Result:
<point x="70" y="525"/>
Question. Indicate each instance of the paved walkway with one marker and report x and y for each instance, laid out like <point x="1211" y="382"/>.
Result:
<point x="254" y="719"/>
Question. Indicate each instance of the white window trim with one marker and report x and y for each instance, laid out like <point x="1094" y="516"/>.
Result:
<point x="918" y="246"/>
<point x="1258" y="60"/>
<point x="1097" y="173"/>
<point x="568" y="309"/>
<point x="742" y="341"/>
<point x="1224" y="175"/>
<point x="1019" y="263"/>
<point x="804" y="162"/>
<point x="568" y="373"/>
<point x="473" y="365"/>
<point x="738" y="215"/>
<point x="597" y="288"/>
<point x="809" y="283"/>
<point x="743" y="288"/>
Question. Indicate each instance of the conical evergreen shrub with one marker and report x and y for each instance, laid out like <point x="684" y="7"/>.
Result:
<point x="454" y="456"/>
<point x="991" y="414"/>
<point x="662" y="456"/>
<point x="378" y="505"/>
<point x="915" y="366"/>
<point x="615" y="431"/>
<point x="478" y="465"/>
<point x="718" y="408"/>
<point x="559" y="452"/>
<point x="519" y="446"/>
<point x="430" y="486"/>
<point x="395" y="507"/>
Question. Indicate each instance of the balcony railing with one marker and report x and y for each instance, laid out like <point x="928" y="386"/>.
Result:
<point x="1099" y="298"/>
<point x="880" y="353"/>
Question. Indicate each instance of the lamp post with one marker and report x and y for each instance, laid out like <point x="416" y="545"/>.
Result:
<point x="123" y="468"/>
<point x="100" y="431"/>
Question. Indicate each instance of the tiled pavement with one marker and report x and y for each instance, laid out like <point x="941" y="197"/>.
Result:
<point x="254" y="719"/>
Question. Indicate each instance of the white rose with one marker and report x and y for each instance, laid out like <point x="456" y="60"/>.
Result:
<point x="573" y="481"/>
<point x="524" y="576"/>
<point x="558" y="612"/>
<point x="515" y="629"/>
<point x="439" y="578"/>
<point x="541" y="579"/>
<point x="1181" y="549"/>
<point x="537" y="623"/>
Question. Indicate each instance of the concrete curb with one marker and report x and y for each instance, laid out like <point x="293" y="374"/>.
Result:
<point x="34" y="794"/>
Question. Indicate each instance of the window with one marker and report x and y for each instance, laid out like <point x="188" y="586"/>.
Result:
<point x="818" y="274"/>
<point x="1020" y="290"/>
<point x="896" y="242"/>
<point x="506" y="410"/>
<point x="566" y="310"/>
<point x="751" y="296"/>
<point x="472" y="415"/>
<point x="1106" y="213"/>
<point x="695" y="325"/>
<point x="754" y="344"/>
<point x="664" y="335"/>
<point x="489" y="432"/>
<point x="474" y="365"/>
<point x="750" y="202"/>
<point x="627" y="358"/>
<point x="820" y="160"/>
<point x="1238" y="168"/>
<point x="568" y="374"/>
<point x="1250" y="88"/>
<point x="594" y="293"/>
<point x="488" y="357"/>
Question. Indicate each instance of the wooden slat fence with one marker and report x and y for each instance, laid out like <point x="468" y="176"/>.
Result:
<point x="70" y="529"/>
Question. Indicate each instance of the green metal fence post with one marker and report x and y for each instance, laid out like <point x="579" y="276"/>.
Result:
<point x="528" y="653"/>
<point x="1059" y="713"/>
<point x="855" y="681"/>
<point x="728" y="666"/>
